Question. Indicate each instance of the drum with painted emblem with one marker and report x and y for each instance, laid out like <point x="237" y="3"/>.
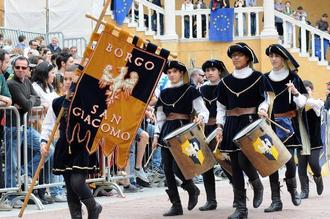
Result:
<point x="190" y="151"/>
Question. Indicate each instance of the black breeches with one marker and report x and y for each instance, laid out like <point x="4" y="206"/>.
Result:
<point x="312" y="160"/>
<point x="290" y="169"/>
<point x="209" y="184"/>
<point x="239" y="164"/>
<point x="76" y="187"/>
<point x="171" y="168"/>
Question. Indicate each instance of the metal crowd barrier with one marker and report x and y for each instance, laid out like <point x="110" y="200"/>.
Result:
<point x="80" y="43"/>
<point x="108" y="177"/>
<point x="59" y="36"/>
<point x="13" y="34"/>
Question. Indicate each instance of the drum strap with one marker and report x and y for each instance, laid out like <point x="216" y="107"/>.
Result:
<point x="290" y="114"/>
<point x="212" y="121"/>
<point x="176" y="116"/>
<point x="241" y="111"/>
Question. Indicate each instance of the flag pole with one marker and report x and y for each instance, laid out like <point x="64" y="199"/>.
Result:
<point x="173" y="55"/>
<point x="59" y="117"/>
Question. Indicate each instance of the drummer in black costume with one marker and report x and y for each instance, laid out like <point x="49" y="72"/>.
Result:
<point x="214" y="71"/>
<point x="283" y="78"/>
<point x="313" y="109"/>
<point x="241" y="96"/>
<point x="173" y="110"/>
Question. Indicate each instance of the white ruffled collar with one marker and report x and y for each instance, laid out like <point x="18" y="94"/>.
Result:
<point x="176" y="85"/>
<point x="242" y="73"/>
<point x="213" y="83"/>
<point x="279" y="75"/>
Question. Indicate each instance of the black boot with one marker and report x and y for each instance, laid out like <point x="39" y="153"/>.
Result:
<point x="209" y="205"/>
<point x="209" y="184"/>
<point x="93" y="208"/>
<point x="241" y="211"/>
<point x="292" y="189"/>
<point x="304" y="184"/>
<point x="176" y="208"/>
<point x="276" y="204"/>
<point x="319" y="184"/>
<point x="75" y="210"/>
<point x="193" y="192"/>
<point x="258" y="191"/>
<point x="235" y="199"/>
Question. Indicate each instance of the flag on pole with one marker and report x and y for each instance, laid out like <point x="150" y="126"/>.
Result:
<point x="121" y="9"/>
<point x="221" y="25"/>
<point x="111" y="96"/>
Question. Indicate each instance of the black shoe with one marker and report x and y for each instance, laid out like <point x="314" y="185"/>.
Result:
<point x="276" y="204"/>
<point x="304" y="184"/>
<point x="292" y="189"/>
<point x="241" y="211"/>
<point x="142" y="182"/>
<point x="258" y="191"/>
<point x="75" y="209"/>
<point x="208" y="206"/>
<point x="93" y="208"/>
<point x="45" y="200"/>
<point x="193" y="192"/>
<point x="319" y="184"/>
<point x="176" y="208"/>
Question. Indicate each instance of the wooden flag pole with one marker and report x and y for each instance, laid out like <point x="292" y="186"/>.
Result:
<point x="59" y="117"/>
<point x="173" y="55"/>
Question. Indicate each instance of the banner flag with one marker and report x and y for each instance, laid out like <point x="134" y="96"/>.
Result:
<point x="111" y="96"/>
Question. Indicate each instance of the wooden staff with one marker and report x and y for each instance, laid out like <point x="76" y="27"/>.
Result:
<point x="59" y="117"/>
<point x="173" y="55"/>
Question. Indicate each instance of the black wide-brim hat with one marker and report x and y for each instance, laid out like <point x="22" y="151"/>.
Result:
<point x="243" y="48"/>
<point x="284" y="53"/>
<point x="177" y="65"/>
<point x="214" y="63"/>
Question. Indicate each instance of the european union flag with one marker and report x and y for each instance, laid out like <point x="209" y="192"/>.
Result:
<point x="121" y="9"/>
<point x="222" y="25"/>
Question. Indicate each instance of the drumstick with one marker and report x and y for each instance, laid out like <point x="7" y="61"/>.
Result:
<point x="289" y="93"/>
<point x="152" y="152"/>
<point x="216" y="147"/>
<point x="278" y="125"/>
<point x="163" y="146"/>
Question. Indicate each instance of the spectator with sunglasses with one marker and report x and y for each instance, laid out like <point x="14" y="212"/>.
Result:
<point x="24" y="98"/>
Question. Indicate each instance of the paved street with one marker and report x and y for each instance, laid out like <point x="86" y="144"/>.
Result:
<point x="151" y="203"/>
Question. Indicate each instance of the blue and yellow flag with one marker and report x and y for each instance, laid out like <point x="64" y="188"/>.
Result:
<point x="121" y="9"/>
<point x="222" y="25"/>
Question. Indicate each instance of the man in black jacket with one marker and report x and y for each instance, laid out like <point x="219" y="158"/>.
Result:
<point x="54" y="47"/>
<point x="24" y="98"/>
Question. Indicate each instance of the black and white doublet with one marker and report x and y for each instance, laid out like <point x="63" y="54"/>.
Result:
<point x="286" y="113"/>
<point x="243" y="89"/>
<point x="313" y="110"/>
<point x="182" y="99"/>
<point x="209" y="94"/>
<point x="67" y="158"/>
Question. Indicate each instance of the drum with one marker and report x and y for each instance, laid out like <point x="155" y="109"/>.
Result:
<point x="190" y="151"/>
<point x="222" y="158"/>
<point x="262" y="147"/>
